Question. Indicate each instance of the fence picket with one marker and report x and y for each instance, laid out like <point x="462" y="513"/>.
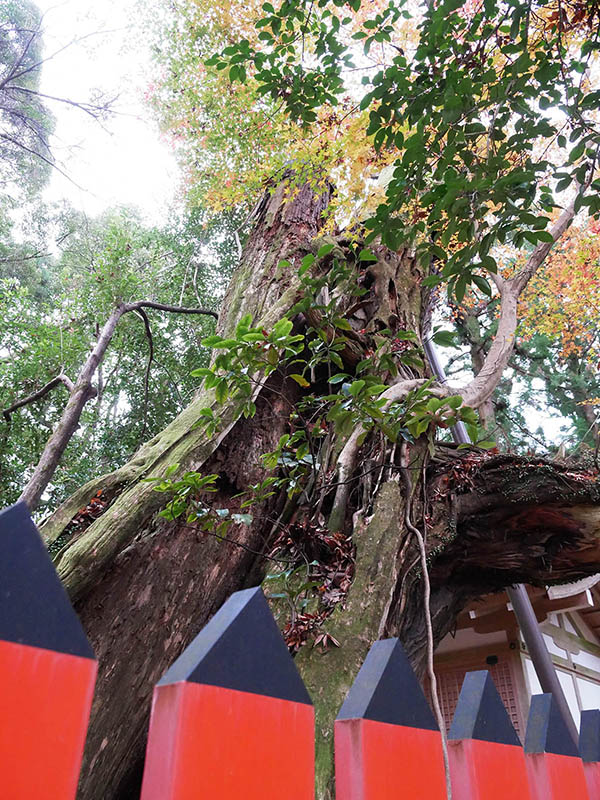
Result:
<point x="232" y="718"/>
<point x="47" y="669"/>
<point x="554" y="767"/>
<point x="387" y="743"/>
<point x="486" y="757"/>
<point x="589" y="749"/>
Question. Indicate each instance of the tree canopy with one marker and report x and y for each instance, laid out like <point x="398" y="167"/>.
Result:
<point x="465" y="130"/>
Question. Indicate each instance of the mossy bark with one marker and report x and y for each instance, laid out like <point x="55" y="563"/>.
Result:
<point x="356" y="625"/>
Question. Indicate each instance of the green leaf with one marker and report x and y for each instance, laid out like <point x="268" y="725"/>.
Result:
<point x="211" y="341"/>
<point x="482" y="284"/>
<point x="221" y="391"/>
<point x="367" y="255"/>
<point x="461" y="287"/>
<point x="444" y="338"/>
<point x="243" y="325"/>
<point x="489" y="263"/>
<point x="340" y="377"/>
<point x="564" y="183"/>
<point x="325" y="250"/>
<point x="300" y="380"/>
<point x="342" y="324"/>
<point x="455" y="401"/>
<point x="576" y="152"/>
<point x="306" y="263"/>
<point x="356" y="387"/>
<point x="282" y="328"/>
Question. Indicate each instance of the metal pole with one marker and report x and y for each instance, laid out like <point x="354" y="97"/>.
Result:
<point x="540" y="657"/>
<point x="459" y="431"/>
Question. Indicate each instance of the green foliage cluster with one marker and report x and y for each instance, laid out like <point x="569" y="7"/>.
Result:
<point x="491" y="116"/>
<point x="332" y="404"/>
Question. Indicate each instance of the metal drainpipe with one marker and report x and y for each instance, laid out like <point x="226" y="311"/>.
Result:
<point x="540" y="657"/>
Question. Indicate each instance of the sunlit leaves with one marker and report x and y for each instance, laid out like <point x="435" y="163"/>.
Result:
<point x="563" y="301"/>
<point x="476" y="115"/>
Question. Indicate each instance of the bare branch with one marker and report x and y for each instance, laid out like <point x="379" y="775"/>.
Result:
<point x="69" y="421"/>
<point x="15" y="75"/>
<point x="148" y="332"/>
<point x="93" y="109"/>
<point x="38" y="395"/>
<point x="171" y="309"/>
<point x="37" y="154"/>
<point x="12" y="73"/>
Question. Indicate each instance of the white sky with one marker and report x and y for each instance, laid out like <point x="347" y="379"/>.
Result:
<point x="127" y="162"/>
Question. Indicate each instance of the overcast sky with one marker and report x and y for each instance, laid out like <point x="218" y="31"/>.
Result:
<point x="127" y="163"/>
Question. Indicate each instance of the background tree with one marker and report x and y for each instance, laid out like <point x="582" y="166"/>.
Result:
<point x="25" y="120"/>
<point x="46" y="341"/>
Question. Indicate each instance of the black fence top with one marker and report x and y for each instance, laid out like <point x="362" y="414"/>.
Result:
<point x="480" y="712"/>
<point x="589" y="735"/>
<point x="546" y="729"/>
<point x="34" y="608"/>
<point x="241" y="648"/>
<point x="387" y="690"/>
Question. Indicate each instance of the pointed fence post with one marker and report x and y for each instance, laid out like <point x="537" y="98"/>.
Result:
<point x="589" y="749"/>
<point x="47" y="670"/>
<point x="553" y="764"/>
<point x="231" y="719"/>
<point x="485" y="754"/>
<point x="387" y="743"/>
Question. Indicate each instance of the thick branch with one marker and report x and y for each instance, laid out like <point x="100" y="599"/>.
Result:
<point x="483" y="385"/>
<point x="522" y="521"/>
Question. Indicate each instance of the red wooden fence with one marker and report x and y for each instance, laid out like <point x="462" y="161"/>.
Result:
<point x="47" y="670"/>
<point x="232" y="719"/>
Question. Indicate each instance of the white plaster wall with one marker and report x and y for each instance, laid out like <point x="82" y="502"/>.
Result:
<point x="589" y="693"/>
<point x="566" y="681"/>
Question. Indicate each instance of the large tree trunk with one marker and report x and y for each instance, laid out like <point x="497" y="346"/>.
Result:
<point x="144" y="586"/>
